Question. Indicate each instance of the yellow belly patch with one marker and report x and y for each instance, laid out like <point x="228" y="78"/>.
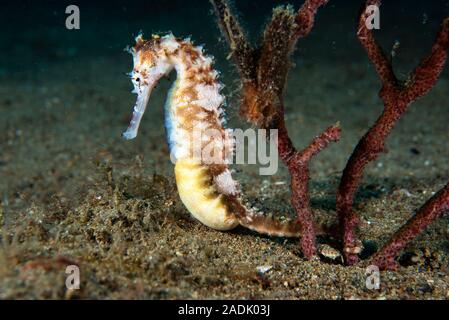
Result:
<point x="200" y="198"/>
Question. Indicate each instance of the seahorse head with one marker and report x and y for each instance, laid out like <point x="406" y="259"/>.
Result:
<point x="152" y="61"/>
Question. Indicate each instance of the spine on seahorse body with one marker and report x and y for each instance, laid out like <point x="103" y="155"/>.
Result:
<point x="199" y="144"/>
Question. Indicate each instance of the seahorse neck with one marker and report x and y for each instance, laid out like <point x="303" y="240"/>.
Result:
<point x="194" y="103"/>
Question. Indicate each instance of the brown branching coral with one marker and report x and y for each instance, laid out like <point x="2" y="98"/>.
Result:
<point x="397" y="96"/>
<point x="263" y="70"/>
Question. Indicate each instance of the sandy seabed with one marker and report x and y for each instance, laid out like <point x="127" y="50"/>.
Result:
<point x="73" y="192"/>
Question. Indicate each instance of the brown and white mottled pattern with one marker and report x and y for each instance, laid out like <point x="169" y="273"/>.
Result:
<point x="200" y="145"/>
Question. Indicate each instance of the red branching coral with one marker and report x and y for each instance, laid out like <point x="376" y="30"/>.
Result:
<point x="397" y="96"/>
<point x="306" y="17"/>
<point x="298" y="166"/>
<point x="263" y="71"/>
<point x="436" y="207"/>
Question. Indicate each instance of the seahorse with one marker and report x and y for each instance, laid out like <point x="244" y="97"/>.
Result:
<point x="195" y="103"/>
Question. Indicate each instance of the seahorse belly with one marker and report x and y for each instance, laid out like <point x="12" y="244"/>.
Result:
<point x="200" y="197"/>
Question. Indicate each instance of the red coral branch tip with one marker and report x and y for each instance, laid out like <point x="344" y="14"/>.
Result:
<point x="306" y="16"/>
<point x="435" y="208"/>
<point x="331" y="134"/>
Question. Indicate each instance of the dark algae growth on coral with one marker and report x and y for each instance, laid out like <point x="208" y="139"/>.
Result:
<point x="370" y="191"/>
